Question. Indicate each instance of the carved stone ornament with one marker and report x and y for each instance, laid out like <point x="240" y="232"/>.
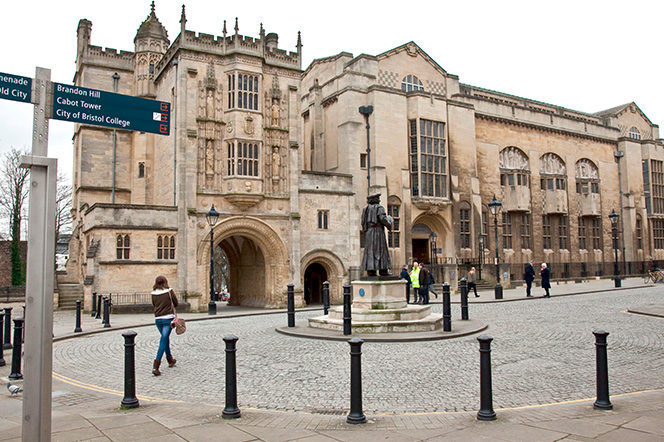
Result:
<point x="249" y="126"/>
<point x="513" y="158"/>
<point x="229" y="127"/>
<point x="552" y="164"/>
<point x="411" y="49"/>
<point x="586" y="169"/>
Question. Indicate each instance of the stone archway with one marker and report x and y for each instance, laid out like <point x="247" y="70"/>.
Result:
<point x="334" y="268"/>
<point x="314" y="277"/>
<point x="257" y="259"/>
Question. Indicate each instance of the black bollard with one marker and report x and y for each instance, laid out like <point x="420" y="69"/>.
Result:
<point x="326" y="297"/>
<point x="602" y="402"/>
<point x="463" y="289"/>
<point x="16" y="351"/>
<point x="78" y="328"/>
<point x="98" y="315"/>
<point x="94" y="305"/>
<point x="107" y="313"/>
<point x="2" y="328"/>
<point x="347" y="313"/>
<point x="447" y="308"/>
<point x="291" y="306"/>
<point x="356" y="416"/>
<point x="486" y="412"/>
<point x="230" y="410"/>
<point x="8" y="328"/>
<point x="129" y="400"/>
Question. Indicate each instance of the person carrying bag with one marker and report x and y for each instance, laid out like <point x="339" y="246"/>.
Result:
<point x="164" y="302"/>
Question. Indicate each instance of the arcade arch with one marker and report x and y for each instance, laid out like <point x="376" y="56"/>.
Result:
<point x="316" y="264"/>
<point x="257" y="259"/>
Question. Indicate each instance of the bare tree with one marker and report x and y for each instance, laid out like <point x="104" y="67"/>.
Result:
<point x="62" y="206"/>
<point x="13" y="195"/>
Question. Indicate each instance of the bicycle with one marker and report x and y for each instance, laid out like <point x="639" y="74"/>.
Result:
<point x="655" y="277"/>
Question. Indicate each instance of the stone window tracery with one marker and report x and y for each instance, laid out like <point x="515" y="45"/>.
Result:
<point x="428" y="158"/>
<point x="634" y="133"/>
<point x="411" y="83"/>
<point x="165" y="247"/>
<point x="243" y="158"/>
<point x="242" y="91"/>
<point x="587" y="177"/>
<point x="393" y="235"/>
<point x="122" y="244"/>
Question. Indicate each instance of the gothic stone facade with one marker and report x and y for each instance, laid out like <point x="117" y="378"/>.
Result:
<point x="281" y="153"/>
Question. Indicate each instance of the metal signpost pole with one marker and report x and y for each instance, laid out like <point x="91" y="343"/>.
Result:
<point x="40" y="272"/>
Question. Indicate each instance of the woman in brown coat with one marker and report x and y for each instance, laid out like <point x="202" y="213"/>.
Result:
<point x="163" y="303"/>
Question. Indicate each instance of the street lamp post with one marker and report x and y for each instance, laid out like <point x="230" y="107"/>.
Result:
<point x="366" y="111"/>
<point x="432" y="241"/>
<point x="212" y="218"/>
<point x="495" y="206"/>
<point x="480" y="258"/>
<point x="614" y="231"/>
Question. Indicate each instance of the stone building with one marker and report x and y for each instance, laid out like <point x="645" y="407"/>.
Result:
<point x="281" y="153"/>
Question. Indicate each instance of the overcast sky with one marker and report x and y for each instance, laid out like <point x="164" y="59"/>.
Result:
<point x="583" y="55"/>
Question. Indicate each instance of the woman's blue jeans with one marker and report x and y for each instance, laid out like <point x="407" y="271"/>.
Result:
<point x="164" y="327"/>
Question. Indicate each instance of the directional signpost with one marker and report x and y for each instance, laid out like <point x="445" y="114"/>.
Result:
<point x="16" y="88"/>
<point x="91" y="106"/>
<point x="79" y="105"/>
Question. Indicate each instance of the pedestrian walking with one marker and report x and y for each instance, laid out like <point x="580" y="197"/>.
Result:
<point x="546" y="284"/>
<point x="472" y="281"/>
<point x="432" y="281"/>
<point x="529" y="275"/>
<point x="415" y="281"/>
<point x="405" y="275"/>
<point x="424" y="284"/>
<point x="164" y="302"/>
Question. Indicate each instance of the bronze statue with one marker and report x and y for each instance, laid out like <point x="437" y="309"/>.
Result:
<point x="374" y="220"/>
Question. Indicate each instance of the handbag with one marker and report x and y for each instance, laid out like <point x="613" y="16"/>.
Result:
<point x="177" y="323"/>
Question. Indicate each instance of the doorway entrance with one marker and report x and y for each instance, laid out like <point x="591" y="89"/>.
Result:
<point x="421" y="250"/>
<point x="314" y="277"/>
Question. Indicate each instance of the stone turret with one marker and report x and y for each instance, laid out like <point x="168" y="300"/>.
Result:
<point x="150" y="43"/>
<point x="83" y="37"/>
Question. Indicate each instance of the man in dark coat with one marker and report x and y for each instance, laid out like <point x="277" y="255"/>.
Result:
<point x="405" y="275"/>
<point x="424" y="284"/>
<point x="546" y="284"/>
<point x="529" y="275"/>
<point x="374" y="220"/>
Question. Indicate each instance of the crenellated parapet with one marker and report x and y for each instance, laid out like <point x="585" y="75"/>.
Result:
<point x="107" y="57"/>
<point x="232" y="45"/>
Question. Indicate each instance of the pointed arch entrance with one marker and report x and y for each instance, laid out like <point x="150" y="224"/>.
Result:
<point x="258" y="263"/>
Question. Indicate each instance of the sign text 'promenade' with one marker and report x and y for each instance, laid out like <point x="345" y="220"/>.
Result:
<point x="15" y="87"/>
<point x="91" y="106"/>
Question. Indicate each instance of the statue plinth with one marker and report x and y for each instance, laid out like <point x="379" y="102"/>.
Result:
<point x="379" y="293"/>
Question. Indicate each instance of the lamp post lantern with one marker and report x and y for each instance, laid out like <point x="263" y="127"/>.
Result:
<point x="613" y="216"/>
<point x="212" y="217"/>
<point x="366" y="111"/>
<point x="495" y="207"/>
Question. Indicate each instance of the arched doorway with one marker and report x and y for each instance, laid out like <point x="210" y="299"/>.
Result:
<point x="246" y="271"/>
<point x="314" y="277"/>
<point x="257" y="262"/>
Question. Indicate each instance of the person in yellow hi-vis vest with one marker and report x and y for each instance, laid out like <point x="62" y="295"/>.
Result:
<point x="415" y="281"/>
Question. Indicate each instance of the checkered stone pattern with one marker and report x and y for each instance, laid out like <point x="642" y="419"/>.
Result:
<point x="389" y="79"/>
<point x="435" y="87"/>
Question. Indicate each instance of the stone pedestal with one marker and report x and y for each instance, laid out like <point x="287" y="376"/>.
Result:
<point x="379" y="306"/>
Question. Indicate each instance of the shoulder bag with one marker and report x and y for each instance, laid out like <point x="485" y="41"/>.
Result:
<point x="177" y="323"/>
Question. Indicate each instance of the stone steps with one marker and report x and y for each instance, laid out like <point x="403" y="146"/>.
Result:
<point x="68" y="295"/>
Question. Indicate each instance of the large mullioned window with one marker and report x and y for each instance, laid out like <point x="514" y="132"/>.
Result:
<point x="242" y="158"/>
<point x="242" y="91"/>
<point x="428" y="158"/>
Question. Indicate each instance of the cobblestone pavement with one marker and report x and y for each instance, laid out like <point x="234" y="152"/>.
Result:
<point x="543" y="352"/>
